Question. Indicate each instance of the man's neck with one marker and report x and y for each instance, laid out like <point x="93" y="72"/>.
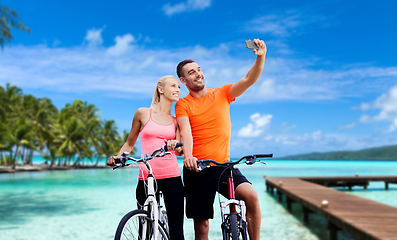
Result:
<point x="200" y="93"/>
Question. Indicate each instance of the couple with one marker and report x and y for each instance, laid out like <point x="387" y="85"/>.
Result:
<point x="203" y="123"/>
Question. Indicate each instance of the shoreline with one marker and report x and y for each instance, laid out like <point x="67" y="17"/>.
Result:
<point x="46" y="167"/>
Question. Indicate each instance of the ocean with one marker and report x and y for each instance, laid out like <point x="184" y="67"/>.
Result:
<point x="88" y="204"/>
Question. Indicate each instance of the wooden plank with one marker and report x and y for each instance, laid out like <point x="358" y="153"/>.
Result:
<point x="361" y="218"/>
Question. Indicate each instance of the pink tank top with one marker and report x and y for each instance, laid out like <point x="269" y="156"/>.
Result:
<point x="152" y="138"/>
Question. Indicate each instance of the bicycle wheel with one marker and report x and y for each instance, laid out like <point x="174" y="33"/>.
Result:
<point x="134" y="223"/>
<point x="234" y="231"/>
<point x="231" y="229"/>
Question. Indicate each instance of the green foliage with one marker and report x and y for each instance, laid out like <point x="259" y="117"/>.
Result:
<point x="69" y="136"/>
<point x="378" y="153"/>
<point x="9" y="19"/>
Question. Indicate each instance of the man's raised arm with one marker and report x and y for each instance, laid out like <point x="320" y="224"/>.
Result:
<point x="190" y="162"/>
<point x="253" y="74"/>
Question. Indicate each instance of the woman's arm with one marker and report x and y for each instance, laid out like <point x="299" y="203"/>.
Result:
<point x="178" y="151"/>
<point x="132" y="136"/>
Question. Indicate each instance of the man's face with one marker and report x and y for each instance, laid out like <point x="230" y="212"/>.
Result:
<point x="193" y="77"/>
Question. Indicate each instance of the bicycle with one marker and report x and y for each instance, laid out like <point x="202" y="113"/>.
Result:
<point x="234" y="223"/>
<point x="150" y="222"/>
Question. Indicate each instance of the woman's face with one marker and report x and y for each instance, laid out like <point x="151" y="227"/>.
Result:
<point x="172" y="89"/>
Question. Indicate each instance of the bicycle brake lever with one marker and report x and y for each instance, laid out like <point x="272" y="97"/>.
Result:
<point x="201" y="165"/>
<point x="250" y="160"/>
<point x="162" y="154"/>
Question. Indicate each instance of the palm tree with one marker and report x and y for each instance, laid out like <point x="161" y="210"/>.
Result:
<point x="11" y="99"/>
<point x="9" y="19"/>
<point x="92" y="123"/>
<point x="71" y="140"/>
<point x="87" y="115"/>
<point x="28" y="124"/>
<point x="52" y="154"/>
<point x="42" y="113"/>
<point x="109" y="140"/>
<point x="22" y="136"/>
<point x="4" y="142"/>
<point x="4" y="130"/>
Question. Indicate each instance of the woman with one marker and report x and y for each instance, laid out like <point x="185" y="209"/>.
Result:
<point x="158" y="127"/>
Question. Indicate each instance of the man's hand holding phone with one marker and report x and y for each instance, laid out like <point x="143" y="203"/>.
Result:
<point x="257" y="45"/>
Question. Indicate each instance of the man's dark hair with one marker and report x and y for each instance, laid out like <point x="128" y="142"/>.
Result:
<point x="180" y="66"/>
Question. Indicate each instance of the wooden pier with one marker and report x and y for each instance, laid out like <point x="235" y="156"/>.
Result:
<point x="362" y="218"/>
<point x="351" y="181"/>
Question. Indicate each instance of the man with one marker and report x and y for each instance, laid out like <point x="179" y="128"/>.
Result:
<point x="205" y="127"/>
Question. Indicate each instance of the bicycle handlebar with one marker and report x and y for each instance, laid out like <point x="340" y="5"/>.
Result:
<point x="250" y="159"/>
<point x="161" y="152"/>
<point x="179" y="144"/>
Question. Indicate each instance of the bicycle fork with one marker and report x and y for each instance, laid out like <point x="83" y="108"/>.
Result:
<point x="231" y="204"/>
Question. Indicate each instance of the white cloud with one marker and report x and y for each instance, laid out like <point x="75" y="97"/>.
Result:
<point x="289" y="79"/>
<point x="94" y="67"/>
<point x="256" y="127"/>
<point x="347" y="126"/>
<point x="274" y="24"/>
<point x="387" y="103"/>
<point x="121" y="46"/>
<point x="190" y="5"/>
<point x="285" y="127"/>
<point x="300" y="139"/>
<point x="94" y="37"/>
<point x="283" y="25"/>
<point x="365" y="119"/>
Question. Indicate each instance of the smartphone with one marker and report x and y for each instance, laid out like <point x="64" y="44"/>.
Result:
<point x="251" y="45"/>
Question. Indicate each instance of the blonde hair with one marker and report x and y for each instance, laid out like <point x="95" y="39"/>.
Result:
<point x="160" y="83"/>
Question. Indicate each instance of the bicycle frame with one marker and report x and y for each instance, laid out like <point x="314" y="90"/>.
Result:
<point x="232" y="203"/>
<point x="151" y="205"/>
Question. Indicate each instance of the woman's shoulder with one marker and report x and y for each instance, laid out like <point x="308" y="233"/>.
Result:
<point x="142" y="112"/>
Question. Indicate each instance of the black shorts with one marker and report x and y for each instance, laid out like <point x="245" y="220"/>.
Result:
<point x="200" y="189"/>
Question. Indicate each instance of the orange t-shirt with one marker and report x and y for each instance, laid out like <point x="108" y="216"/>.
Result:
<point x="209" y="118"/>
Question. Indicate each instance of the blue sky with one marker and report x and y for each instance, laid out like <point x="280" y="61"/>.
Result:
<point x="329" y="82"/>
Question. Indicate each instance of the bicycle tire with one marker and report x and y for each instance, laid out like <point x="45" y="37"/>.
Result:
<point x="234" y="230"/>
<point x="130" y="227"/>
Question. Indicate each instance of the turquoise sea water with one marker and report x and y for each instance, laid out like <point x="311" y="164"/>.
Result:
<point x="88" y="204"/>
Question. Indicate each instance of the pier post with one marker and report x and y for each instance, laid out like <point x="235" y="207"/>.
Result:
<point x="289" y="204"/>
<point x="306" y="212"/>
<point x="386" y="185"/>
<point x="333" y="231"/>
<point x="271" y="189"/>
<point x="280" y="196"/>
